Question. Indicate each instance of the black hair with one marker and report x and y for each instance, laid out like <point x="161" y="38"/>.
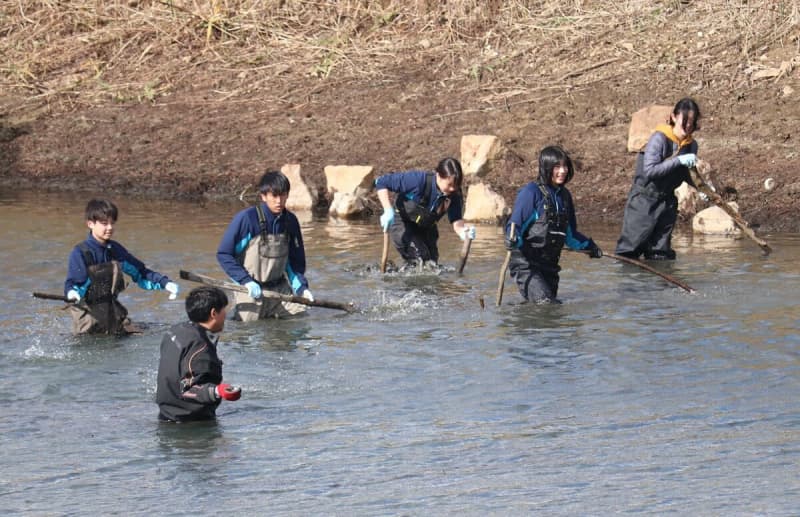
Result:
<point x="685" y="106"/>
<point x="551" y="156"/>
<point x="201" y="300"/>
<point x="274" y="182"/>
<point x="451" y="168"/>
<point x="101" y="210"/>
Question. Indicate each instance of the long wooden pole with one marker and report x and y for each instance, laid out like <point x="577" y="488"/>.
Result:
<point x="502" y="282"/>
<point x="464" y="255"/>
<point x="56" y="297"/>
<point x="699" y="176"/>
<point x="644" y="266"/>
<point x="638" y="263"/>
<point x="187" y="275"/>
<point x="385" y="253"/>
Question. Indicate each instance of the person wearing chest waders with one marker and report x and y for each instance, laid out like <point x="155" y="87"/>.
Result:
<point x="95" y="275"/>
<point x="262" y="249"/>
<point x="652" y="208"/>
<point x="421" y="199"/>
<point x="541" y="223"/>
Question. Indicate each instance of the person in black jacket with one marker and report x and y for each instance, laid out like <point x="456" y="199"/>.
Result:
<point x="190" y="385"/>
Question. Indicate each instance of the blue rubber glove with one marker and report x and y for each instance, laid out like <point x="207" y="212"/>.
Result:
<point x="687" y="160"/>
<point x="253" y="289"/>
<point x="387" y="219"/>
<point x="467" y="233"/>
<point x="73" y="296"/>
<point x="173" y="290"/>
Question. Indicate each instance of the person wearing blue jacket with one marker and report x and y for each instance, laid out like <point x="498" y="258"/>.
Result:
<point x="541" y="223"/>
<point x="262" y="249"/>
<point x="421" y="199"/>
<point x="95" y="275"/>
<point x="652" y="208"/>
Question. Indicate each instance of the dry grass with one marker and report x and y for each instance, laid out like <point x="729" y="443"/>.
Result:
<point x="60" y="55"/>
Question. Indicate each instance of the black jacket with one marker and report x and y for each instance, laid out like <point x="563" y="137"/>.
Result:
<point x="188" y="374"/>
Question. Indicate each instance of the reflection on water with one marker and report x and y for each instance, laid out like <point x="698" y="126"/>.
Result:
<point x="632" y="395"/>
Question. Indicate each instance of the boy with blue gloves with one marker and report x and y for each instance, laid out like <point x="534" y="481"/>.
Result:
<point x="95" y="275"/>
<point x="263" y="249"/>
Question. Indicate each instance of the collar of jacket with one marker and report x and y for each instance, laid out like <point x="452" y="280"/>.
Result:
<point x="667" y="130"/>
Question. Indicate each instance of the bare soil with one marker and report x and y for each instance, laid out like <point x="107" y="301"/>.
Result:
<point x="206" y="122"/>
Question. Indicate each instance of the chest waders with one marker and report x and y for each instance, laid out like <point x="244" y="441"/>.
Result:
<point x="102" y="313"/>
<point x="265" y="259"/>
<point x="534" y="266"/>
<point x="414" y="233"/>
<point x="417" y="212"/>
<point x="544" y="239"/>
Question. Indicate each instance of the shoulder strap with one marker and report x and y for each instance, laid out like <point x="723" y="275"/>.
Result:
<point x="262" y="220"/>
<point x="88" y="259"/>
<point x="549" y="209"/>
<point x="425" y="198"/>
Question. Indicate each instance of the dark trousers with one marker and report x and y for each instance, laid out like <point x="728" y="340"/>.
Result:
<point x="537" y="282"/>
<point x="414" y="243"/>
<point x="647" y="226"/>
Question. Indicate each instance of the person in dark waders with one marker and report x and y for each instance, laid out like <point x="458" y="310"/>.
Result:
<point x="543" y="221"/>
<point x="262" y="248"/>
<point x="652" y="208"/>
<point x="190" y="385"/>
<point x="95" y="276"/>
<point x="421" y="199"/>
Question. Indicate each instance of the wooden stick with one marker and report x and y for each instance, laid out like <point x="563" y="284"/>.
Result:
<point x="502" y="282"/>
<point x="192" y="277"/>
<point x="56" y="297"/>
<point x="385" y="254"/>
<point x="644" y="266"/>
<point x="704" y="186"/>
<point x="464" y="255"/>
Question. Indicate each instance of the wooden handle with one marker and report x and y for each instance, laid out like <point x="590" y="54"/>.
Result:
<point x="703" y="185"/>
<point x="385" y="254"/>
<point x="192" y="277"/>
<point x="464" y="255"/>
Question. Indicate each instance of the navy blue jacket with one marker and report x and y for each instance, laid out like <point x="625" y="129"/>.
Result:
<point x="245" y="227"/>
<point x="411" y="184"/>
<point x="529" y="207"/>
<point x="78" y="276"/>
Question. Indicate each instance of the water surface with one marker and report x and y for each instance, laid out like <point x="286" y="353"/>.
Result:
<point x="631" y="396"/>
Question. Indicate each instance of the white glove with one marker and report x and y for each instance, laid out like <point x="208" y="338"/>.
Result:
<point x="687" y="160"/>
<point x="173" y="290"/>
<point x="703" y="196"/>
<point x="467" y="233"/>
<point x="253" y="289"/>
<point x="73" y="296"/>
<point x="307" y="295"/>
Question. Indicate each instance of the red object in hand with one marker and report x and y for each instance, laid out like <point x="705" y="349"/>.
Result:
<point x="228" y="392"/>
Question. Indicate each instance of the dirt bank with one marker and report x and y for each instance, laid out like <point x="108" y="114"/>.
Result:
<point x="141" y="98"/>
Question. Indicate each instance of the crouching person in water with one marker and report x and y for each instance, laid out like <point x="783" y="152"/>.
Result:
<point x="263" y="249"/>
<point x="544" y="221"/>
<point x="421" y="199"/>
<point x="190" y="383"/>
<point x="95" y="275"/>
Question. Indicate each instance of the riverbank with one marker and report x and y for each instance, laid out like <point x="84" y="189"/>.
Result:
<point x="144" y="99"/>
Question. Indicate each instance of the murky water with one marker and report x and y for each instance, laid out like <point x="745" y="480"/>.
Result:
<point x="632" y="396"/>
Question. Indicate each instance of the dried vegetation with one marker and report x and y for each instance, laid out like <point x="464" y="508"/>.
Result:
<point x="63" y="54"/>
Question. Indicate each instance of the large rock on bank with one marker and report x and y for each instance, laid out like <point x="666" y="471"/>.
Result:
<point x="348" y="185"/>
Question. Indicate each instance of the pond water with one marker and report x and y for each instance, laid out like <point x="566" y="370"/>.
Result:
<point x="631" y="396"/>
